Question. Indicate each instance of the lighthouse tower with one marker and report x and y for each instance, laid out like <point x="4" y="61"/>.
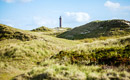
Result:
<point x="60" y="22"/>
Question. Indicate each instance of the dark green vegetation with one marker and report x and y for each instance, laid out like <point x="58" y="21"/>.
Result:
<point x="98" y="29"/>
<point x="113" y="56"/>
<point x="42" y="29"/>
<point x="7" y="32"/>
<point x="45" y="57"/>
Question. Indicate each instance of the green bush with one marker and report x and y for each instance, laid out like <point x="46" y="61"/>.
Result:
<point x="42" y="29"/>
<point x="109" y="56"/>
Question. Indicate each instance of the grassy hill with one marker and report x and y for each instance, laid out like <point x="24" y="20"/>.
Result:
<point x="7" y="32"/>
<point x="97" y="29"/>
<point x="41" y="29"/>
<point x="46" y="57"/>
<point x="100" y="60"/>
<point x="51" y="32"/>
<point x="21" y="50"/>
<point x="56" y="31"/>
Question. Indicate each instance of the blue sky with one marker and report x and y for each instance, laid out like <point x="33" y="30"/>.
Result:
<point x="30" y="14"/>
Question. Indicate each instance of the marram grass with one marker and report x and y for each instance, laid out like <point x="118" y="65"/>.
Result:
<point x="44" y="57"/>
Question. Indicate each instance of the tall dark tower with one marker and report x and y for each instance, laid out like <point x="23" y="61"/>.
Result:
<point x="60" y="22"/>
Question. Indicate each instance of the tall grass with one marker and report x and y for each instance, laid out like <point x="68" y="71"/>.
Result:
<point x="20" y="56"/>
<point x="77" y="63"/>
<point x="51" y="58"/>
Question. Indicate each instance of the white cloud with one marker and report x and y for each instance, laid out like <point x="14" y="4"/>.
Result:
<point x="126" y="7"/>
<point x="112" y="5"/>
<point x="11" y="1"/>
<point x="115" y="6"/>
<point x="26" y="0"/>
<point x="39" y="21"/>
<point x="78" y="16"/>
<point x="42" y="21"/>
